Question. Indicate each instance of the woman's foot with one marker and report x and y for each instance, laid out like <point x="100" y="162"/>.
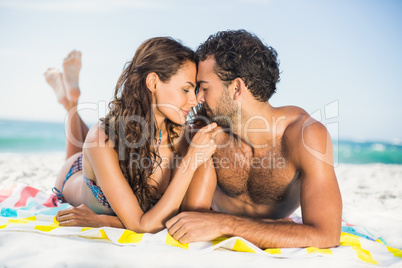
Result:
<point x="55" y="79"/>
<point x="71" y="71"/>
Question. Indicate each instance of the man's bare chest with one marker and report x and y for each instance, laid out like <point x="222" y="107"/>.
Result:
<point x="259" y="176"/>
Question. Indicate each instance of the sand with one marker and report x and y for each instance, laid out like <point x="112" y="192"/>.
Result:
<point x="372" y="193"/>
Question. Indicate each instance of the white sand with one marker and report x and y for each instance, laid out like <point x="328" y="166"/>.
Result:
<point x="36" y="170"/>
<point x="372" y="197"/>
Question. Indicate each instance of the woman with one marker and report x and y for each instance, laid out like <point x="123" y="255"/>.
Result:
<point x="124" y="164"/>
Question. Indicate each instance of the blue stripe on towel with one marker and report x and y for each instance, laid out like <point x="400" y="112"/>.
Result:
<point x="8" y="212"/>
<point x="30" y="205"/>
<point x="351" y="230"/>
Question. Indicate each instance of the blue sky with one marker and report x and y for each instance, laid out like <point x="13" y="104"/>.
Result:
<point x="339" y="57"/>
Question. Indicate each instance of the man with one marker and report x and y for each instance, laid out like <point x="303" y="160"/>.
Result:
<point x="269" y="160"/>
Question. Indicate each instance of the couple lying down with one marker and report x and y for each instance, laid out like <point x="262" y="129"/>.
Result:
<point x="239" y="167"/>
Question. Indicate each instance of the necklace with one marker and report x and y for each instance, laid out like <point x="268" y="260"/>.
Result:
<point x="157" y="151"/>
<point x="160" y="139"/>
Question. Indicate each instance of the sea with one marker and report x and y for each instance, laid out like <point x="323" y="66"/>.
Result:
<point x="41" y="137"/>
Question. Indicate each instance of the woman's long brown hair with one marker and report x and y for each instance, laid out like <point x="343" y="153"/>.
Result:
<point x="130" y="124"/>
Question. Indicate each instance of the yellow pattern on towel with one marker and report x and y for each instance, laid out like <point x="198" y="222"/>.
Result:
<point x="38" y="216"/>
<point x="126" y="237"/>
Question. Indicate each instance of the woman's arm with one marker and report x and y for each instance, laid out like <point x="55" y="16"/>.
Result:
<point x="85" y="217"/>
<point x="202" y="187"/>
<point x="121" y="197"/>
<point x="197" y="198"/>
<point x="201" y="190"/>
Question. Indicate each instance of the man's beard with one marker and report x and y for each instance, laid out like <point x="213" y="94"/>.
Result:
<point x="225" y="115"/>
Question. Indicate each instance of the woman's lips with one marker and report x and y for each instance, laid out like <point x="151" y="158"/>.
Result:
<point x="185" y="112"/>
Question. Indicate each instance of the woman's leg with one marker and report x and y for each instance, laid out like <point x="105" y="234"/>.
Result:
<point x="84" y="129"/>
<point x="76" y="129"/>
<point x="71" y="72"/>
<point x="55" y="79"/>
<point x="66" y="85"/>
<point x="67" y="92"/>
<point x="74" y="135"/>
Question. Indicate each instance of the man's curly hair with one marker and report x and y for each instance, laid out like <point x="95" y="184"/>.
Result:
<point x="239" y="53"/>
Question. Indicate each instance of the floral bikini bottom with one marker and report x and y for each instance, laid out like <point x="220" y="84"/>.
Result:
<point x="96" y="190"/>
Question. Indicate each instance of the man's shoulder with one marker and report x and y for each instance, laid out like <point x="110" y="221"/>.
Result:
<point x="297" y="120"/>
<point x="291" y="110"/>
<point x="306" y="135"/>
<point x="294" y="117"/>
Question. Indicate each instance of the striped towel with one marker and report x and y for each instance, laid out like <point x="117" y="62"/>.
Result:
<point x="24" y="208"/>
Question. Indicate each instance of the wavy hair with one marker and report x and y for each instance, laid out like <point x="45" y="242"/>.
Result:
<point x="130" y="124"/>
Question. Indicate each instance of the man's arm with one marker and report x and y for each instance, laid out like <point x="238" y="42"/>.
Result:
<point x="320" y="201"/>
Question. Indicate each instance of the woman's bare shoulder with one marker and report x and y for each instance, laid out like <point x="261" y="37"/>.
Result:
<point x="97" y="137"/>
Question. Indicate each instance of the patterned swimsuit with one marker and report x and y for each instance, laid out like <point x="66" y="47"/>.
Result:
<point x="96" y="190"/>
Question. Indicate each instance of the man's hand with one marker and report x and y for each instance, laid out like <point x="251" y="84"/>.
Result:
<point x="79" y="216"/>
<point x="196" y="226"/>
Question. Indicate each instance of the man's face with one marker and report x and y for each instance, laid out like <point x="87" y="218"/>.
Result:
<point x="214" y="95"/>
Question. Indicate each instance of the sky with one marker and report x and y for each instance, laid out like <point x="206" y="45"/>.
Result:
<point x="340" y="60"/>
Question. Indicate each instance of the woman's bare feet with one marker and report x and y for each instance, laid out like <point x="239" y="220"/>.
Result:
<point x="71" y="71"/>
<point x="55" y="79"/>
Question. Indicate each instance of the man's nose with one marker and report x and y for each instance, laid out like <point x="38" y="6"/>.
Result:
<point x="200" y="97"/>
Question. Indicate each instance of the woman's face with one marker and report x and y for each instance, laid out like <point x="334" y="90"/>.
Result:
<point x="175" y="98"/>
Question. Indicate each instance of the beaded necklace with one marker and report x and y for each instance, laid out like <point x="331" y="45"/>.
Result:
<point x="160" y="139"/>
<point x="157" y="148"/>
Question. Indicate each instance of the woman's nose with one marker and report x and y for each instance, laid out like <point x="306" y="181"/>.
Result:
<point x="193" y="100"/>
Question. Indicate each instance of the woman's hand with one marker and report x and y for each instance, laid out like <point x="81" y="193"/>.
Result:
<point x="79" y="216"/>
<point x="202" y="145"/>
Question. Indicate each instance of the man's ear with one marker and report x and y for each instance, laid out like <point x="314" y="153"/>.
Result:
<point x="239" y="88"/>
<point x="151" y="81"/>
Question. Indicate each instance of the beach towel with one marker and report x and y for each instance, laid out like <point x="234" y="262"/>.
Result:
<point x="26" y="209"/>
